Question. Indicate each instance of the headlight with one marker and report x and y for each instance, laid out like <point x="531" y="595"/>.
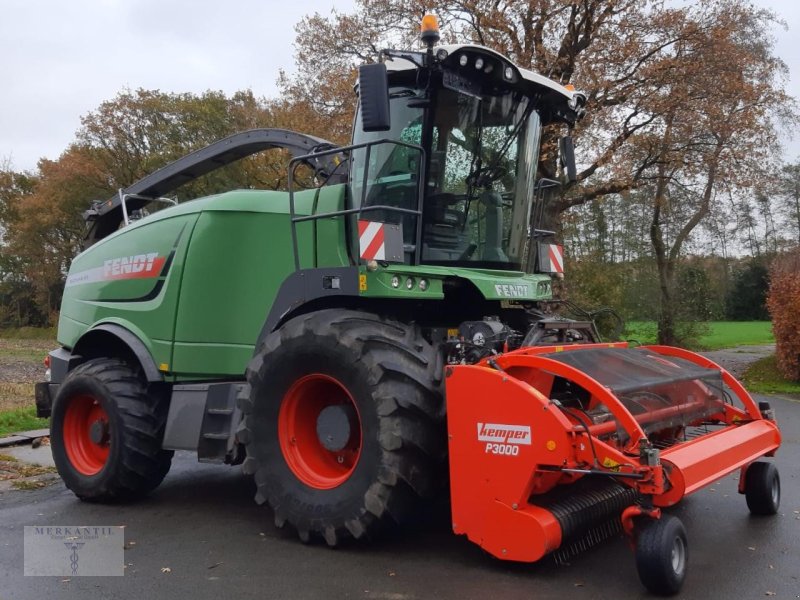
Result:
<point x="410" y="283"/>
<point x="423" y="284"/>
<point x="463" y="60"/>
<point x="478" y="63"/>
<point x="395" y="281"/>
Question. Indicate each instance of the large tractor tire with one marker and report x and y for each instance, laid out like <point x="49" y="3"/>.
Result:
<point x="344" y="424"/>
<point x="106" y="432"/>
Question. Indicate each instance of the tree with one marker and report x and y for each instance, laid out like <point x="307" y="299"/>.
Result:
<point x="789" y="194"/>
<point x="138" y="132"/>
<point x="746" y="300"/>
<point x="679" y="97"/>
<point x="605" y="47"/>
<point x="713" y="130"/>
<point x="17" y="305"/>
<point x="44" y="226"/>
<point x="41" y="228"/>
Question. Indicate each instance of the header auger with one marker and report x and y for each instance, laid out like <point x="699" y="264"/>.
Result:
<point x="347" y="343"/>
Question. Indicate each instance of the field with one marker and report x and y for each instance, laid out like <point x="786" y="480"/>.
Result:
<point x="720" y="334"/>
<point x="21" y="355"/>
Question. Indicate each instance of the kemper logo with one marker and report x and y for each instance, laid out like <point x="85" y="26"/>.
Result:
<point x="504" y="434"/>
<point x="512" y="290"/>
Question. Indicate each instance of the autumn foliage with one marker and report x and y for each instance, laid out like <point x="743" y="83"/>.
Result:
<point x="683" y="101"/>
<point x="784" y="306"/>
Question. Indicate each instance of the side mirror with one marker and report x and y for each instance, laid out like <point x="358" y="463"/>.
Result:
<point x="373" y="90"/>
<point x="567" y="151"/>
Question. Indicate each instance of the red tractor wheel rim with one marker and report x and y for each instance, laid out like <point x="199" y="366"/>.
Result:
<point x="308" y="459"/>
<point x="86" y="438"/>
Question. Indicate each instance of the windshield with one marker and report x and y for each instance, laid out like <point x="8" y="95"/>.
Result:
<point x="481" y="179"/>
<point x="392" y="170"/>
<point x="481" y="175"/>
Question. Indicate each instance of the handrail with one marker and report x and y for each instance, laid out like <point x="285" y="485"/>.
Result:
<point x="361" y="209"/>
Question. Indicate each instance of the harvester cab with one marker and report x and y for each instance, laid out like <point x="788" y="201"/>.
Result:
<point x="447" y="145"/>
<point x="352" y="343"/>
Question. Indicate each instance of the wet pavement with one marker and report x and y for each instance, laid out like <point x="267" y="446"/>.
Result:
<point x="203" y="526"/>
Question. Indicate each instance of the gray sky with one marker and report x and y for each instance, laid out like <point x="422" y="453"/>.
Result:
<point x="61" y="59"/>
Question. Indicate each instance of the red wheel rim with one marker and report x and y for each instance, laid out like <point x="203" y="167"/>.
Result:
<point x="86" y="438"/>
<point x="308" y="459"/>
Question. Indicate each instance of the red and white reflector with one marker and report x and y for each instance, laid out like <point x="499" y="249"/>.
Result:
<point x="380" y="241"/>
<point x="551" y="258"/>
<point x="372" y="240"/>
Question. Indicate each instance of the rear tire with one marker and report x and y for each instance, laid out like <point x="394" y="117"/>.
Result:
<point x="106" y="432"/>
<point x="380" y="382"/>
<point x="662" y="555"/>
<point x="762" y="488"/>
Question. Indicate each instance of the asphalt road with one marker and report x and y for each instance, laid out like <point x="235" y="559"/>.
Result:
<point x="203" y="525"/>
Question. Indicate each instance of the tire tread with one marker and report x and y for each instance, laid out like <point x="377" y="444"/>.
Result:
<point x="402" y="368"/>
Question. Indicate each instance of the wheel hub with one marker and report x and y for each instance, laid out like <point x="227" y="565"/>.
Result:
<point x="335" y="426"/>
<point x="98" y="432"/>
<point x="319" y="431"/>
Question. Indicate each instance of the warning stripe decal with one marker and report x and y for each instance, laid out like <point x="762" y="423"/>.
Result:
<point x="556" y="259"/>
<point x="371" y="240"/>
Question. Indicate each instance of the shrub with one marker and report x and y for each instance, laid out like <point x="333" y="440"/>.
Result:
<point x="745" y="299"/>
<point x="783" y="302"/>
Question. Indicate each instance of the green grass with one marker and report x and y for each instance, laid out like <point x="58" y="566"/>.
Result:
<point x="21" y="419"/>
<point x="763" y="376"/>
<point x="31" y="350"/>
<point x="29" y="333"/>
<point x="721" y="334"/>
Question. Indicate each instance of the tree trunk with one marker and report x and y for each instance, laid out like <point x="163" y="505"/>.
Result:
<point x="666" y="313"/>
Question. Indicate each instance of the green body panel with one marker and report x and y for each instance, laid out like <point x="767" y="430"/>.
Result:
<point x="196" y="282"/>
<point x="239" y="258"/>
<point x="142" y="301"/>
<point x="229" y="255"/>
<point x="494" y="285"/>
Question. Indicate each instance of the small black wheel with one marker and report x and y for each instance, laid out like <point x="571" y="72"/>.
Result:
<point x="106" y="432"/>
<point x="662" y="555"/>
<point x="762" y="488"/>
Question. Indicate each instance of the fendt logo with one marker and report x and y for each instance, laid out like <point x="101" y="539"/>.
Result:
<point x="504" y="439"/>
<point x="137" y="266"/>
<point x="512" y="290"/>
<point x="128" y="265"/>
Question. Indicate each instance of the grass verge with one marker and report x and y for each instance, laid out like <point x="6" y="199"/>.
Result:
<point x="763" y="377"/>
<point x="21" y="419"/>
<point x="721" y="334"/>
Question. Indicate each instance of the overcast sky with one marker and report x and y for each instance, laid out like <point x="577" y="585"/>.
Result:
<point x="59" y="59"/>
